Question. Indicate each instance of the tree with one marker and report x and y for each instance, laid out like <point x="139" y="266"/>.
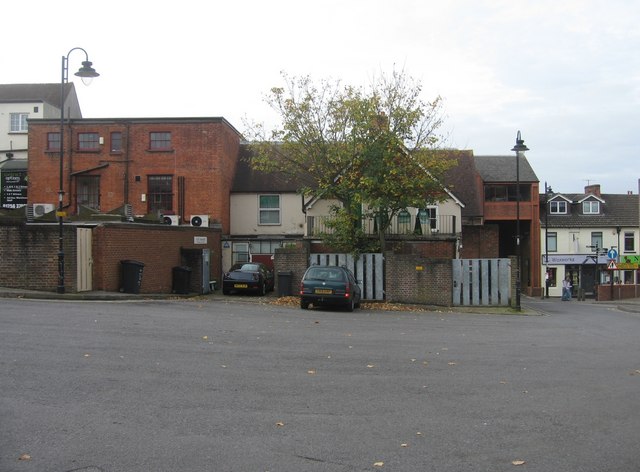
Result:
<point x="373" y="150"/>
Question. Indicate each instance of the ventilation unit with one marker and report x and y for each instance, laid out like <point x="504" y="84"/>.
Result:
<point x="41" y="209"/>
<point x="173" y="220"/>
<point x="200" y="220"/>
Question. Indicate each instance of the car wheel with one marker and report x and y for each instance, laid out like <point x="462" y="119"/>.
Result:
<point x="304" y="304"/>
<point x="351" y="305"/>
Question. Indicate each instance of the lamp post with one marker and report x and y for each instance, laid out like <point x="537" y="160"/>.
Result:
<point x="547" y="280"/>
<point x="519" y="148"/>
<point x="86" y="72"/>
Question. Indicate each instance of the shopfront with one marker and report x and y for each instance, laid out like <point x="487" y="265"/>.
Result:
<point x="585" y="271"/>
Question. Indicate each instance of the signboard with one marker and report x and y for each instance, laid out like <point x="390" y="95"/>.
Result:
<point x="574" y="259"/>
<point x="14" y="189"/>
<point x="612" y="265"/>
<point x="199" y="240"/>
<point x="612" y="254"/>
<point x="629" y="263"/>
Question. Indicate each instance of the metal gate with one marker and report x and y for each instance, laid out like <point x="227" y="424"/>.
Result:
<point x="481" y="281"/>
<point x="84" y="260"/>
<point x="368" y="270"/>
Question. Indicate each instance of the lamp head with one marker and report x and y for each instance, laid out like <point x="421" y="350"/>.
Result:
<point x="86" y="72"/>
<point x="520" y="146"/>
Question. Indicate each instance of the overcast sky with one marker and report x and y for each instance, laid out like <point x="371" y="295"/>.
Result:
<point x="565" y="73"/>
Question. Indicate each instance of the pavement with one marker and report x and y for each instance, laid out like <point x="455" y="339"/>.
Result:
<point x="630" y="304"/>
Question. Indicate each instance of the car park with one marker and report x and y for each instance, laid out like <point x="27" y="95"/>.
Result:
<point x="253" y="277"/>
<point x="329" y="286"/>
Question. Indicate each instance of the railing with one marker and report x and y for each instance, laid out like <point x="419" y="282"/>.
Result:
<point x="413" y="226"/>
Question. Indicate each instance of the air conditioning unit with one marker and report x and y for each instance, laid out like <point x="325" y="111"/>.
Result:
<point x="200" y="220"/>
<point x="41" y="209"/>
<point x="173" y="220"/>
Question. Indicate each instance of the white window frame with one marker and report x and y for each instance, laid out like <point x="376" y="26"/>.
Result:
<point x="18" y="122"/>
<point x="591" y="207"/>
<point x="263" y="211"/>
<point x="558" y="210"/>
<point x="552" y="241"/>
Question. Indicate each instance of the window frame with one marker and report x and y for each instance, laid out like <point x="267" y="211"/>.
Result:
<point x="629" y="243"/>
<point x="590" y="204"/>
<point x="88" y="141"/>
<point x="269" y="210"/>
<point x="21" y="122"/>
<point x="557" y="204"/>
<point x="160" y="141"/>
<point x="113" y="149"/>
<point x="159" y="197"/>
<point x="551" y="236"/>
<point x="595" y="235"/>
<point x="53" y="137"/>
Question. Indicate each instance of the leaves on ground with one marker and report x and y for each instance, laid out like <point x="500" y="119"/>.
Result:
<point x="518" y="462"/>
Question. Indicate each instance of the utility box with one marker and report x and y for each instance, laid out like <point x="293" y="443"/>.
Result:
<point x="181" y="280"/>
<point x="131" y="276"/>
<point x="284" y="283"/>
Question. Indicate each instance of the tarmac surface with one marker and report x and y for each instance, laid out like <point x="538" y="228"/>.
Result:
<point x="630" y="304"/>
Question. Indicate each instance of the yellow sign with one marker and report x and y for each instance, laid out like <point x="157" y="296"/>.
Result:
<point x="419" y="268"/>
<point x="61" y="214"/>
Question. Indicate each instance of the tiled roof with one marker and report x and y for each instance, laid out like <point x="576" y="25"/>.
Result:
<point x="617" y="210"/>
<point x="248" y="180"/>
<point x="463" y="182"/>
<point x="48" y="93"/>
<point x="504" y="169"/>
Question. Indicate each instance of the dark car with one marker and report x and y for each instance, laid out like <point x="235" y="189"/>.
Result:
<point x="329" y="285"/>
<point x="248" y="277"/>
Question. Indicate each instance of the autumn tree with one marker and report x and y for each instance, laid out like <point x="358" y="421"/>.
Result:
<point x="373" y="150"/>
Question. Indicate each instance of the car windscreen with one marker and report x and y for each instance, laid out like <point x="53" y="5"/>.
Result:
<point x="325" y="273"/>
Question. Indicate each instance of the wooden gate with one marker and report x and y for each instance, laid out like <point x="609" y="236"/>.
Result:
<point x="481" y="281"/>
<point x="368" y="270"/>
<point x="84" y="260"/>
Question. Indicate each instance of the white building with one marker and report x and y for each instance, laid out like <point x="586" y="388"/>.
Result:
<point x="581" y="232"/>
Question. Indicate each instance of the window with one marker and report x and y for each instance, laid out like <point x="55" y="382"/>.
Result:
<point x="116" y="141"/>
<point x="53" y="141"/>
<point x="552" y="242"/>
<point x="160" y="141"/>
<point x="404" y="222"/>
<point x="558" y="207"/>
<point x="507" y="192"/>
<point x="160" y="193"/>
<point x="19" y="122"/>
<point x="88" y="141"/>
<point x="269" y="209"/>
<point x="629" y="242"/>
<point x="591" y="207"/>
<point x="596" y="239"/>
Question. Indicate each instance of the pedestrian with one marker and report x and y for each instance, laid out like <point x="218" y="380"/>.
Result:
<point x="566" y="289"/>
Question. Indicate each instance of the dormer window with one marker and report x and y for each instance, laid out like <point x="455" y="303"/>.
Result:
<point x="558" y="207"/>
<point x="591" y="207"/>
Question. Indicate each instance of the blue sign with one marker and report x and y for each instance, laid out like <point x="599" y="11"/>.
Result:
<point x="612" y="254"/>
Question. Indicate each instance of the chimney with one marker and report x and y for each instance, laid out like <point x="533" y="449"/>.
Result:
<point x="592" y="190"/>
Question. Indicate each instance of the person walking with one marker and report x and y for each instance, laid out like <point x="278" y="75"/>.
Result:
<point x="566" y="289"/>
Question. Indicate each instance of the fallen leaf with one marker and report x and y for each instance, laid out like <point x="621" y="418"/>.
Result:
<point x="205" y="337"/>
<point x="370" y="366"/>
<point x="24" y="457"/>
<point x="279" y="424"/>
<point x="418" y="433"/>
<point x="87" y="355"/>
<point x="518" y="462"/>
<point x="503" y="382"/>
<point x="404" y="445"/>
<point x="311" y="371"/>
<point x="452" y="363"/>
<point x="378" y="464"/>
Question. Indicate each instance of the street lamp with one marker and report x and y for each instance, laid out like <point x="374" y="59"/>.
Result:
<point x="519" y="148"/>
<point x="547" y="279"/>
<point x="87" y="73"/>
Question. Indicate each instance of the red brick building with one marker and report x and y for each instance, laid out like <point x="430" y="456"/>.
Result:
<point x="158" y="166"/>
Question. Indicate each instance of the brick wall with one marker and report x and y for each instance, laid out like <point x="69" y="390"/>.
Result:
<point x="29" y="254"/>
<point x="480" y="242"/>
<point x="412" y="278"/>
<point x="294" y="259"/>
<point x="203" y="152"/>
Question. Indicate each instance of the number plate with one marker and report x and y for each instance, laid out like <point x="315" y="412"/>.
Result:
<point x="240" y="285"/>
<point x="324" y="291"/>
